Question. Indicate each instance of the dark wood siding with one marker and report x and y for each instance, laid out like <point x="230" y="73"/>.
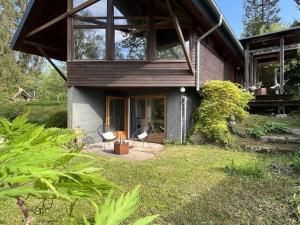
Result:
<point x="213" y="67"/>
<point x="129" y="74"/>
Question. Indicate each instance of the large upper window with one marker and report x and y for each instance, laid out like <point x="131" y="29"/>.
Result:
<point x="126" y="31"/>
<point x="90" y="31"/>
<point x="130" y="44"/>
<point x="168" y="46"/>
<point x="131" y="28"/>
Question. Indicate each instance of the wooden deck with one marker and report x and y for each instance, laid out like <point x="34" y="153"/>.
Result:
<point x="278" y="102"/>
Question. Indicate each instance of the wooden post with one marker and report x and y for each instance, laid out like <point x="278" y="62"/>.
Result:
<point x="180" y="35"/>
<point x="247" y="68"/>
<point x="281" y="65"/>
<point x="251" y="71"/>
<point x="255" y="80"/>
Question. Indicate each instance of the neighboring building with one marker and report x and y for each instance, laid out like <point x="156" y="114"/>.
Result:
<point x="22" y="95"/>
<point x="128" y="60"/>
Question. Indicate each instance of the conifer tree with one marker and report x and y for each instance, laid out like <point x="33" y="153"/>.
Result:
<point x="259" y="13"/>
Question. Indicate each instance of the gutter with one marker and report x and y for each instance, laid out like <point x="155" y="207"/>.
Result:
<point x="217" y="11"/>
<point x="199" y="50"/>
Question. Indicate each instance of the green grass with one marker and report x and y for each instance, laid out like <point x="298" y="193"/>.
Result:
<point x="39" y="112"/>
<point x="190" y="185"/>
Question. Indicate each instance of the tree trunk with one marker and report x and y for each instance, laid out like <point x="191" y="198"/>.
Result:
<point x="25" y="211"/>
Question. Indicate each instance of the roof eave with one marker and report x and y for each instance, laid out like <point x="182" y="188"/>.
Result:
<point x="20" y="26"/>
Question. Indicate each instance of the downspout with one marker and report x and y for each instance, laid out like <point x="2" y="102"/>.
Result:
<point x="199" y="50"/>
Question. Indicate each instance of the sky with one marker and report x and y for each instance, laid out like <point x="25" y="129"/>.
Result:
<point x="233" y="12"/>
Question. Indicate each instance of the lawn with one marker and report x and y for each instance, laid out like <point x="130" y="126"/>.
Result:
<point x="39" y="112"/>
<point x="190" y="185"/>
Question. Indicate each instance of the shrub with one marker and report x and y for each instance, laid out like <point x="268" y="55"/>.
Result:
<point x="116" y="212"/>
<point x="221" y="99"/>
<point x="36" y="164"/>
<point x="270" y="127"/>
<point x="59" y="120"/>
<point x="251" y="169"/>
<point x="10" y="110"/>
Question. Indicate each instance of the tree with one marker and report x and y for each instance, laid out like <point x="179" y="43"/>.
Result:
<point x="14" y="66"/>
<point x="298" y="3"/>
<point x="259" y="13"/>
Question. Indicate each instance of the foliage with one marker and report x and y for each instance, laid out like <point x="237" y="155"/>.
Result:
<point x="251" y="169"/>
<point x="295" y="163"/>
<point x="259" y="13"/>
<point x="58" y="119"/>
<point x="257" y="131"/>
<point x="10" y="109"/>
<point x="170" y="142"/>
<point x="14" y="67"/>
<point x="35" y="163"/>
<point x="116" y="212"/>
<point x="222" y="99"/>
<point x="298" y="3"/>
<point x="274" y="27"/>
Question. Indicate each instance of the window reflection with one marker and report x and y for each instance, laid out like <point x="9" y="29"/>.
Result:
<point x="130" y="44"/>
<point x="168" y="45"/>
<point x="96" y="9"/>
<point x="156" y="114"/>
<point x="89" y="44"/>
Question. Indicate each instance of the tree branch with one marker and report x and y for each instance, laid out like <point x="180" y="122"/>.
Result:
<point x="25" y="210"/>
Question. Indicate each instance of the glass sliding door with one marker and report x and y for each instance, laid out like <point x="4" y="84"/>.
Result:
<point x="116" y="114"/>
<point x="144" y="110"/>
<point x="155" y="110"/>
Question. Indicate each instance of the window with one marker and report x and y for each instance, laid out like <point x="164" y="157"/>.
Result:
<point x="155" y="110"/>
<point x="89" y="44"/>
<point x="130" y="29"/>
<point x="90" y="31"/>
<point x="98" y="9"/>
<point x="128" y="32"/>
<point x="130" y="44"/>
<point x="168" y="46"/>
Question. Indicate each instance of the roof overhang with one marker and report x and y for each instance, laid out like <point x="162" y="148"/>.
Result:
<point x="291" y="36"/>
<point x="54" y="39"/>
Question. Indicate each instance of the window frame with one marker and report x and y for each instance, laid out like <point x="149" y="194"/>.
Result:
<point x="151" y="34"/>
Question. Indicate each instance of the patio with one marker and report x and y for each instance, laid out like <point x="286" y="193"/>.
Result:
<point x="137" y="152"/>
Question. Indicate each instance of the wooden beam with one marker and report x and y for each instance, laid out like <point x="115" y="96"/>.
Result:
<point x="61" y="17"/>
<point x="180" y="35"/>
<point x="247" y="68"/>
<point x="47" y="47"/>
<point x="281" y="62"/>
<point x="273" y="49"/>
<point x="52" y="64"/>
<point x="70" y="44"/>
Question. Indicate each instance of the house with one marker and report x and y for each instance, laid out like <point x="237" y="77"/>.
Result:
<point x="133" y="62"/>
<point x="22" y="94"/>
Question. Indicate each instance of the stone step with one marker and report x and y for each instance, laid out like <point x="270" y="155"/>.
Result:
<point x="295" y="131"/>
<point x="269" y="149"/>
<point x="280" y="139"/>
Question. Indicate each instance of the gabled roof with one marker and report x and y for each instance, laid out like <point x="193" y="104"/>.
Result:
<point x="38" y="12"/>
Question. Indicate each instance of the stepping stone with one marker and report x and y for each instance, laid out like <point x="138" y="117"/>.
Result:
<point x="280" y="139"/>
<point x="295" y="131"/>
<point x="268" y="149"/>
